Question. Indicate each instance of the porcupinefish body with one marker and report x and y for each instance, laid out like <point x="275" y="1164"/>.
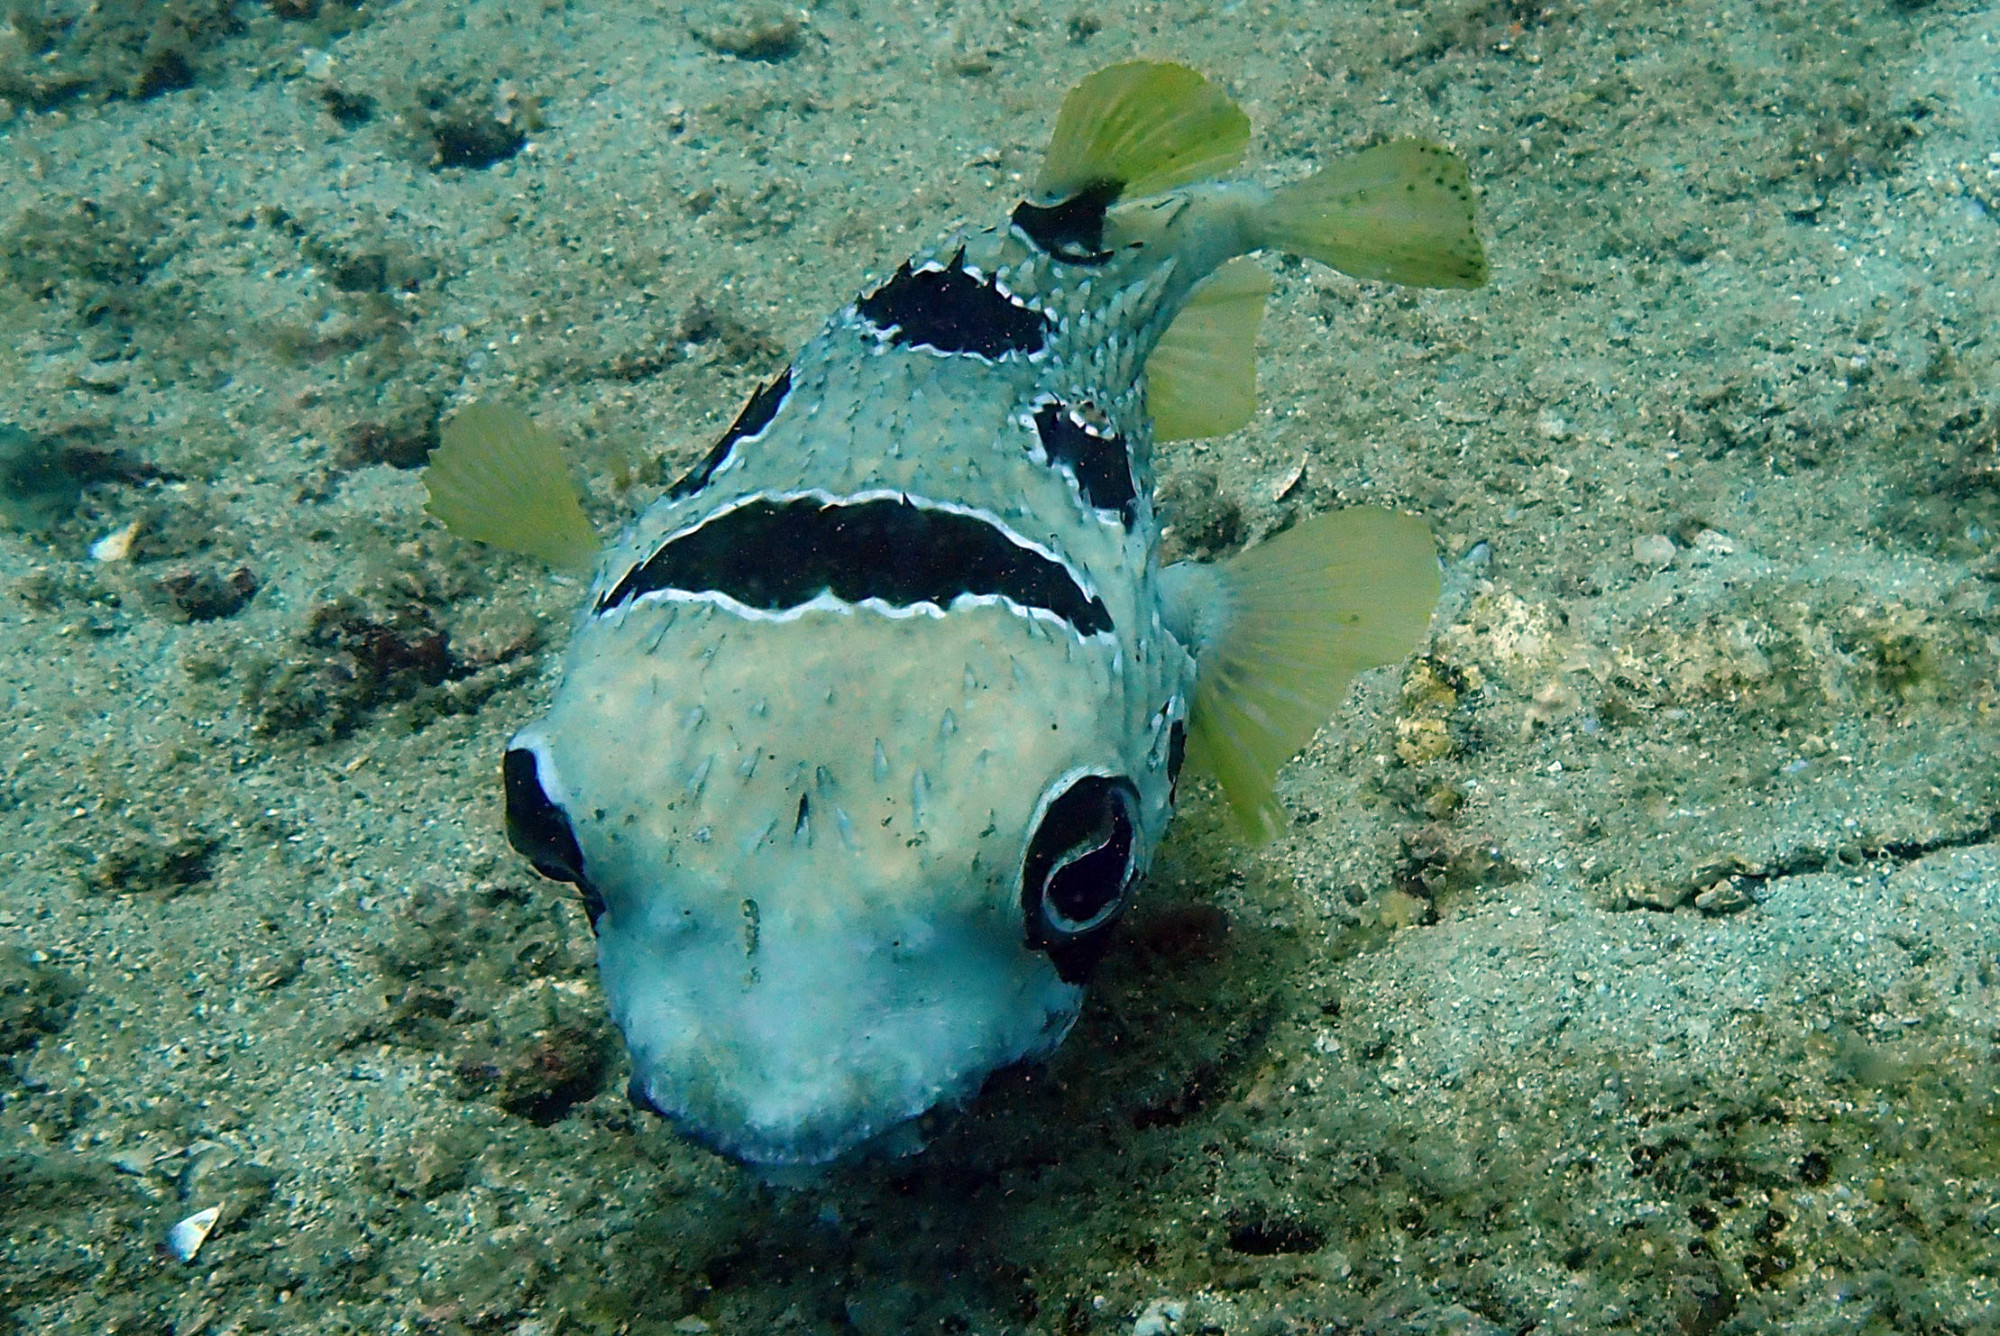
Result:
<point x="871" y="725"/>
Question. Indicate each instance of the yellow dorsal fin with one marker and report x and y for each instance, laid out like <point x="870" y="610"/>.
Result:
<point x="1147" y="126"/>
<point x="1309" y="609"/>
<point x="1401" y="212"/>
<point x="1202" y="377"/>
<point x="498" y="478"/>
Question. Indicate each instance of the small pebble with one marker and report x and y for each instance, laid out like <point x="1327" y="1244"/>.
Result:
<point x="1160" y="1318"/>
<point x="1653" y="549"/>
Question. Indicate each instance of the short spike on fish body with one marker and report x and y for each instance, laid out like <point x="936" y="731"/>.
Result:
<point x="871" y="725"/>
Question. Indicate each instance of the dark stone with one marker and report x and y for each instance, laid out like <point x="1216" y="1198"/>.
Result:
<point x="167" y="71"/>
<point x="1259" y="1232"/>
<point x="559" y="1069"/>
<point x="353" y="659"/>
<point x="464" y="134"/>
<point x="165" y="867"/>
<point x="351" y="110"/>
<point x="1766" y="1269"/>
<point x="403" y="440"/>
<point x="36" y="1000"/>
<point x="207" y="595"/>
<point x="764" y="32"/>
<point x="1702" y="1300"/>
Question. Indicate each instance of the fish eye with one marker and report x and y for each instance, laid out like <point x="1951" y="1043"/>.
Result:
<point x="539" y="828"/>
<point x="1078" y="875"/>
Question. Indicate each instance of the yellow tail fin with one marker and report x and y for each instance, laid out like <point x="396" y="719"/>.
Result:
<point x="1402" y="213"/>
<point x="1144" y="126"/>
<point x="498" y="478"/>
<point x="1326" y="599"/>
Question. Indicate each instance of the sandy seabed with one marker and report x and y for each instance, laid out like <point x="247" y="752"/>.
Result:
<point x="1632" y="963"/>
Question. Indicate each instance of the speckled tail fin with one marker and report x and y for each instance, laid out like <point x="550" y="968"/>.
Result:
<point x="498" y="478"/>
<point x="1402" y="213"/>
<point x="1202" y="377"/>
<point x="1306" y="611"/>
<point x="1144" y="127"/>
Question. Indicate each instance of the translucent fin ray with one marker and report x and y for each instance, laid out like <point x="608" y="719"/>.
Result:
<point x="1337" y="594"/>
<point x="499" y="478"/>
<point x="1402" y="213"/>
<point x="1201" y="379"/>
<point x="1148" y="126"/>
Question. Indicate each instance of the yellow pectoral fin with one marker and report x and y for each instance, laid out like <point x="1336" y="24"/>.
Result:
<point x="1309" y="609"/>
<point x="1402" y="212"/>
<point x="498" y="478"/>
<point x="1146" y="126"/>
<point x="1202" y="377"/>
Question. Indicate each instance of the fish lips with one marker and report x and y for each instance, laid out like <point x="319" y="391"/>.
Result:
<point x="783" y="1148"/>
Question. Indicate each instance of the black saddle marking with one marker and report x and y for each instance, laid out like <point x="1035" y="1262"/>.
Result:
<point x="756" y="416"/>
<point x="952" y="311"/>
<point x="774" y="555"/>
<point x="1101" y="464"/>
<point x="1072" y="231"/>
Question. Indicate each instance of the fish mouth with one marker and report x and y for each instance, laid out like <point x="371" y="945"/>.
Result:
<point x="840" y="1036"/>
<point x="850" y="1093"/>
<point x="889" y="1137"/>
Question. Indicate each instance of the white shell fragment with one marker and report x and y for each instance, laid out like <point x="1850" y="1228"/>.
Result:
<point x="1290" y="482"/>
<point x="184" y="1240"/>
<point x="116" y="545"/>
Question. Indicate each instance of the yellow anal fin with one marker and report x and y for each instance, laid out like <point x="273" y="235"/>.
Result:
<point x="1145" y="126"/>
<point x="1326" y="599"/>
<point x="498" y="478"/>
<point x="1402" y="212"/>
<point x="1202" y="377"/>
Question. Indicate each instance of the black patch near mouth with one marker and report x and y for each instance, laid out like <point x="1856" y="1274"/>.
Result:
<point x="1101" y="464"/>
<point x="756" y="416"/>
<point x="952" y="311"/>
<point x="773" y="555"/>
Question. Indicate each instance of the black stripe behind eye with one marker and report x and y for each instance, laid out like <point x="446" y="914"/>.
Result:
<point x="756" y="416"/>
<point x="1101" y="465"/>
<point x="1072" y="230"/>
<point x="951" y="311"/>
<point x="774" y="555"/>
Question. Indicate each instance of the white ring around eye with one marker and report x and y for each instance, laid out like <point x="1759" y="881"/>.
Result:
<point x="1114" y="842"/>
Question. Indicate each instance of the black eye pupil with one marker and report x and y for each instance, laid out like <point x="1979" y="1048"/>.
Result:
<point x="1078" y="871"/>
<point x="1090" y="880"/>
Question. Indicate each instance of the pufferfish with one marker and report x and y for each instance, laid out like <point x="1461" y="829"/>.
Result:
<point x="871" y="724"/>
